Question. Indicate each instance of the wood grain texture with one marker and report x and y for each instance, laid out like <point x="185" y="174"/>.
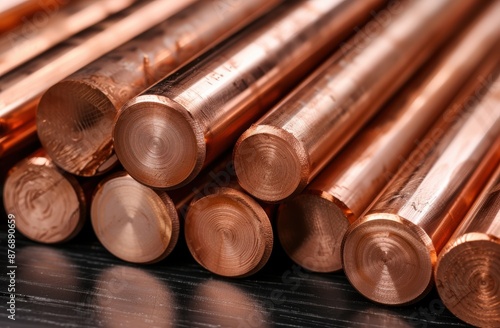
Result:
<point x="80" y="284"/>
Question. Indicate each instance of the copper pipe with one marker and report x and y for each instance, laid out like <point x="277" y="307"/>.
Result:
<point x="468" y="269"/>
<point x="131" y="297"/>
<point x="390" y="252"/>
<point x="229" y="233"/>
<point x="18" y="138"/>
<point x="48" y="204"/>
<point x="21" y="89"/>
<point x="15" y="13"/>
<point x="280" y="154"/>
<point x="134" y="222"/>
<point x="311" y="225"/>
<point x="55" y="23"/>
<point x="75" y="116"/>
<point x="165" y="136"/>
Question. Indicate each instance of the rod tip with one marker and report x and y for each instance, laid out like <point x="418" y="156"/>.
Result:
<point x="388" y="259"/>
<point x="48" y="205"/>
<point x="158" y="142"/>
<point x="229" y="233"/>
<point x="132" y="221"/>
<point x="270" y="163"/>
<point x="310" y="229"/>
<point x="468" y="279"/>
<point x="74" y="123"/>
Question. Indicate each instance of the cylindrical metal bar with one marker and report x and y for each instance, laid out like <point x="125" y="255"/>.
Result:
<point x="49" y="205"/>
<point x="21" y="89"/>
<point x="54" y="24"/>
<point x="134" y="222"/>
<point x="229" y="233"/>
<point x="468" y="269"/>
<point x="165" y="136"/>
<point x="14" y="13"/>
<point x="75" y="116"/>
<point x="311" y="225"/>
<point x="390" y="252"/>
<point x="280" y="154"/>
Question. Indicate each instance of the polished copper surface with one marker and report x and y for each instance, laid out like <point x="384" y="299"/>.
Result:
<point x="229" y="233"/>
<point x="165" y="136"/>
<point x="468" y="268"/>
<point x="21" y="89"/>
<point x="49" y="205"/>
<point x="311" y="225"/>
<point x="280" y="154"/>
<point x="134" y="222"/>
<point x="389" y="253"/>
<point x="75" y="116"/>
<point x="55" y="23"/>
<point x="14" y="13"/>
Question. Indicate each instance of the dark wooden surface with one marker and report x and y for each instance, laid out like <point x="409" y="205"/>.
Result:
<point x="79" y="284"/>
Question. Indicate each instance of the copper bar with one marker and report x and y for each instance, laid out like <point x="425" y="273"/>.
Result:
<point x="468" y="268"/>
<point x="59" y="23"/>
<point x="134" y="222"/>
<point x="280" y="154"/>
<point x="21" y="89"/>
<point x="390" y="252"/>
<point x="229" y="233"/>
<point x="165" y="136"/>
<point x="75" y="116"/>
<point x="14" y="13"/>
<point x="48" y="204"/>
<point x="311" y="225"/>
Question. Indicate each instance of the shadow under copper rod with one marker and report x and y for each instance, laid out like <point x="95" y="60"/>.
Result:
<point x="311" y="225"/>
<point x="228" y="232"/>
<point x="55" y="23"/>
<point x="49" y="205"/>
<point x="389" y="253"/>
<point x="14" y="14"/>
<point x="21" y="89"/>
<point x="280" y="154"/>
<point x="75" y="117"/>
<point x="468" y="268"/>
<point x="165" y="136"/>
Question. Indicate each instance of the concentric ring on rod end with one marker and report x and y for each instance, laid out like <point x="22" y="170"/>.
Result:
<point x="270" y="163"/>
<point x="388" y="259"/>
<point x="229" y="233"/>
<point x="158" y="142"/>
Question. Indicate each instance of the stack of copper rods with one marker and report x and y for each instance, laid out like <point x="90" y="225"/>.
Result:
<point x="366" y="134"/>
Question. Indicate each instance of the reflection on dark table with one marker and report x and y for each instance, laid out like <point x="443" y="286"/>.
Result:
<point x="79" y="284"/>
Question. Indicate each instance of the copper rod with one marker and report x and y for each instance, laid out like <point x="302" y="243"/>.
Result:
<point x="48" y="204"/>
<point x="21" y="89"/>
<point x="134" y="222"/>
<point x="280" y="154"/>
<point x="55" y="23"/>
<point x="229" y="233"/>
<point x="75" y="116"/>
<point x="390" y="252"/>
<point x="468" y="268"/>
<point x="165" y="136"/>
<point x="15" y="13"/>
<point x="311" y="225"/>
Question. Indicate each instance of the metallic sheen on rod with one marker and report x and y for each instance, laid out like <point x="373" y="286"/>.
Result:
<point x="390" y="252"/>
<point x="75" y="117"/>
<point x="21" y="89"/>
<point x="468" y="268"/>
<point x="165" y="136"/>
<point x="280" y="154"/>
<point x="311" y="225"/>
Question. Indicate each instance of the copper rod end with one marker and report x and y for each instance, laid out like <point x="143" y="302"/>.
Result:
<point x="48" y="205"/>
<point x="388" y="259"/>
<point x="132" y="221"/>
<point x="74" y="123"/>
<point x="158" y="142"/>
<point x="229" y="233"/>
<point x="310" y="229"/>
<point x="270" y="163"/>
<point x="468" y="279"/>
